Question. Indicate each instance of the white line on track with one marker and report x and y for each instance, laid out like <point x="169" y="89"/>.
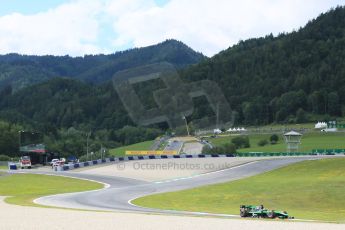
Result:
<point x="203" y="174"/>
<point x="186" y="212"/>
<point x="106" y="186"/>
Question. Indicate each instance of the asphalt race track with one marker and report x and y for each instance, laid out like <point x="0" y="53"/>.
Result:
<point x="120" y="191"/>
<point x="174" y="146"/>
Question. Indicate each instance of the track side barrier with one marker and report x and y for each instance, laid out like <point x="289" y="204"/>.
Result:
<point x="131" y="158"/>
<point x="152" y="157"/>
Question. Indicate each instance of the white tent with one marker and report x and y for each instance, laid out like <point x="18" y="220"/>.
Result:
<point x="320" y="125"/>
<point x="217" y="131"/>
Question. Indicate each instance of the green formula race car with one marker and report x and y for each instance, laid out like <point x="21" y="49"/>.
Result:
<point x="261" y="212"/>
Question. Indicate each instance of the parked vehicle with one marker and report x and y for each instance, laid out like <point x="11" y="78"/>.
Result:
<point x="53" y="161"/>
<point x="57" y="162"/>
<point x="25" y="162"/>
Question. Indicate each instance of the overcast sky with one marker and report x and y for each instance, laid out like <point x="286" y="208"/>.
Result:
<point x="78" y="27"/>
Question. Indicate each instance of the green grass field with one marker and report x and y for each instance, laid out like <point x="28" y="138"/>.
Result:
<point x="3" y="167"/>
<point x="307" y="190"/>
<point x="121" y="151"/>
<point x="309" y="142"/>
<point x="285" y="126"/>
<point x="22" y="189"/>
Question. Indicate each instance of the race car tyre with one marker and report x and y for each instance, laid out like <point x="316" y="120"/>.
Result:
<point x="271" y="214"/>
<point x="243" y="213"/>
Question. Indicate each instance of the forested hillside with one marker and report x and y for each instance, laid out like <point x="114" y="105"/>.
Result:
<point x="283" y="78"/>
<point x="294" y="77"/>
<point x="65" y="98"/>
<point x="18" y="71"/>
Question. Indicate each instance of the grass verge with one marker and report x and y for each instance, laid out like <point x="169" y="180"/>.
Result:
<point x="307" y="190"/>
<point x="121" y="151"/>
<point x="309" y="142"/>
<point x="22" y="189"/>
<point x="3" y="167"/>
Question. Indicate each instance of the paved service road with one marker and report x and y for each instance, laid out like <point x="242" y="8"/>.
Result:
<point x="123" y="190"/>
<point x="174" y="145"/>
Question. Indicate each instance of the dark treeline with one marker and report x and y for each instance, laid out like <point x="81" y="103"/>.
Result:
<point x="283" y="78"/>
<point x="66" y="110"/>
<point x="65" y="98"/>
<point x="19" y="71"/>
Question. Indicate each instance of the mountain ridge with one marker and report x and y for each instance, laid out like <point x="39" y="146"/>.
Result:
<point x="292" y="77"/>
<point x="19" y="71"/>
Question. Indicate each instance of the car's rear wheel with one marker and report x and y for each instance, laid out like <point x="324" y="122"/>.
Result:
<point x="243" y="213"/>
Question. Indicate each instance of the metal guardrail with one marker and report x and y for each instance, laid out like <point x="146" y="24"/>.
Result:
<point x="328" y="151"/>
<point x="146" y="157"/>
<point x="275" y="154"/>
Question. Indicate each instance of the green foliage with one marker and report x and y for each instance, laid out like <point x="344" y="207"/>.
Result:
<point x="9" y="139"/>
<point x="66" y="109"/>
<point x="262" y="142"/>
<point x="241" y="142"/>
<point x="223" y="149"/>
<point x="274" y="139"/>
<point x="19" y="71"/>
<point x="282" y="79"/>
<point x="129" y="135"/>
<point x="301" y="116"/>
<point x="265" y="80"/>
<point x="73" y="141"/>
<point x="94" y="156"/>
<point x="269" y="79"/>
<point x="121" y="151"/>
<point x="84" y="158"/>
<point x="310" y="141"/>
<point x="4" y="158"/>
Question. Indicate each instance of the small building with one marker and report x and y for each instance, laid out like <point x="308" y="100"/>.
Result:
<point x="292" y="140"/>
<point x="31" y="144"/>
<point x="36" y="152"/>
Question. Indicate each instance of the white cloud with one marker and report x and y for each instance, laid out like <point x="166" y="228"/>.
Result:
<point x="210" y="26"/>
<point x="76" y="27"/>
<point x="68" y="29"/>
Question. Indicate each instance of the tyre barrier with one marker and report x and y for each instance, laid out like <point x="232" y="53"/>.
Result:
<point x="279" y="154"/>
<point x="151" y="157"/>
<point x="131" y="158"/>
